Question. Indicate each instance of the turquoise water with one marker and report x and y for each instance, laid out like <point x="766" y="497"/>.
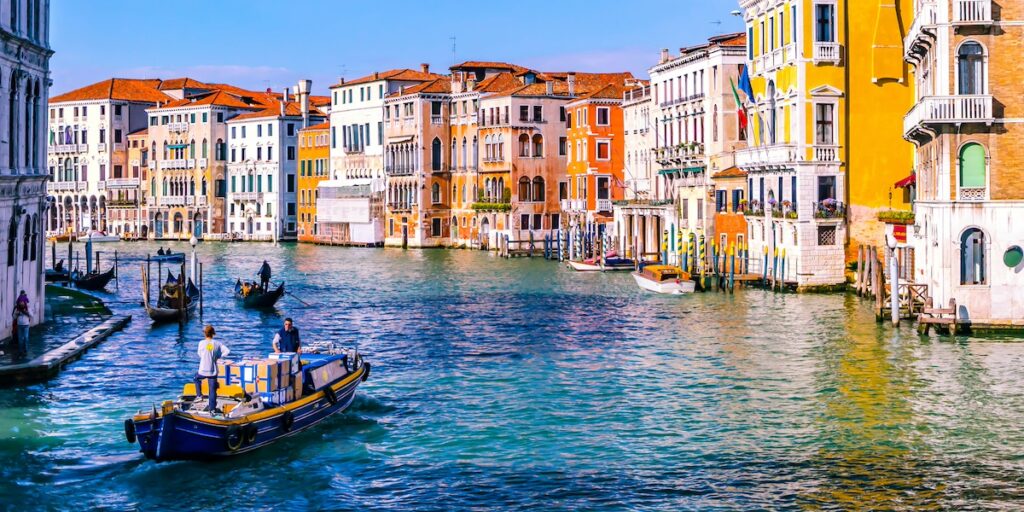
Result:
<point x="520" y="385"/>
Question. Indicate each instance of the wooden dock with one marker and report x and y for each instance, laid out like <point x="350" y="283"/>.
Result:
<point x="50" y="363"/>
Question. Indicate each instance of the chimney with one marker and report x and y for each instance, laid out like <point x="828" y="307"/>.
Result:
<point x="664" y="56"/>
<point x="571" y="79"/>
<point x="425" y="68"/>
<point x="470" y="84"/>
<point x="341" y="81"/>
<point x="376" y="75"/>
<point x="303" y="90"/>
<point x="284" y="99"/>
<point x="551" y="88"/>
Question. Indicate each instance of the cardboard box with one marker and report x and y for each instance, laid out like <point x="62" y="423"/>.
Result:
<point x="280" y="396"/>
<point x="326" y="373"/>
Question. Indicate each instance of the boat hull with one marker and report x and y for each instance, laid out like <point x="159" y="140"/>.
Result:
<point x="95" y="282"/>
<point x="259" y="301"/>
<point x="183" y="436"/>
<point x="670" y="287"/>
<point x="582" y="266"/>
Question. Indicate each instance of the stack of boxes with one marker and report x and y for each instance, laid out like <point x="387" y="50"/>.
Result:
<point x="272" y="379"/>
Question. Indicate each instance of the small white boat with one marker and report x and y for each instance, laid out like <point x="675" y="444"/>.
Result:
<point x="100" y="237"/>
<point x="667" y="279"/>
<point x="585" y="266"/>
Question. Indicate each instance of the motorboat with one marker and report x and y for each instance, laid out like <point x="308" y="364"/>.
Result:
<point x="667" y="279"/>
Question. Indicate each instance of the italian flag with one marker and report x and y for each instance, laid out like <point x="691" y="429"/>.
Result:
<point x="741" y="111"/>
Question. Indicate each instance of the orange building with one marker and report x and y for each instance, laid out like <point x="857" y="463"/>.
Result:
<point x="596" y="149"/>
<point x="730" y="199"/>
<point x="314" y="158"/>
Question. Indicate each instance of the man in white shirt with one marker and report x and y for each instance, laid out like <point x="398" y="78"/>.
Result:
<point x="210" y="351"/>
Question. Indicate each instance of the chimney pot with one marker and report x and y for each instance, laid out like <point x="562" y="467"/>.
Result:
<point x="570" y="78"/>
<point x="664" y="55"/>
<point x="425" y="67"/>
<point x="376" y="75"/>
<point x="551" y="87"/>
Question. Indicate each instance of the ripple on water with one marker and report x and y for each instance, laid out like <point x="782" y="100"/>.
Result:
<point x="520" y="385"/>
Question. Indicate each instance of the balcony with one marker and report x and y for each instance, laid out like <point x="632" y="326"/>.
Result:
<point x="680" y="154"/>
<point x="101" y="147"/>
<point x="123" y="183"/>
<point x="201" y="201"/>
<point x="66" y="186"/>
<point x="247" y="196"/>
<point x="118" y="146"/>
<point x="179" y="163"/>
<point x="573" y="205"/>
<point x="436" y="120"/>
<point x="399" y="170"/>
<point x="921" y="35"/>
<point x="766" y="157"/>
<point x="972" y="12"/>
<point x="604" y="205"/>
<point x="826" y="153"/>
<point x="201" y="163"/>
<point x="827" y="53"/>
<point x="972" y="193"/>
<point x="752" y="209"/>
<point x="177" y="127"/>
<point x="829" y="209"/>
<point x="940" y="110"/>
<point x="172" y="200"/>
<point x="151" y="164"/>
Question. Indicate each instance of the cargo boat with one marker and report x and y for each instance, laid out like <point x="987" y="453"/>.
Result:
<point x="184" y="430"/>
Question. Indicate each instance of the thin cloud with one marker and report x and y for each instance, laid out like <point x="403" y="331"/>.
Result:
<point x="633" y="59"/>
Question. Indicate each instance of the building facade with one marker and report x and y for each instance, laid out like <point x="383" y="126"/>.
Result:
<point x="314" y="168"/>
<point x="595" y="145"/>
<point x="647" y="205"/>
<point x="125" y="191"/>
<point x="819" y="146"/>
<point x="24" y="89"/>
<point x="966" y="229"/>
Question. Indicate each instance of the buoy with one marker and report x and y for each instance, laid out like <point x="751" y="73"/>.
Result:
<point x="251" y="430"/>
<point x="366" y="372"/>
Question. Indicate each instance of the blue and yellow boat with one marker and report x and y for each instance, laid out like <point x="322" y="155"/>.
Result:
<point x="184" y="430"/>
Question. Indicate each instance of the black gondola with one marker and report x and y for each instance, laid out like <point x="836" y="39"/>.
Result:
<point x="57" y="274"/>
<point x="256" y="298"/>
<point x="168" y="307"/>
<point x="93" y="281"/>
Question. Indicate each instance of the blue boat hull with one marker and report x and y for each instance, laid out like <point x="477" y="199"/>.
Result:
<point x="183" y="436"/>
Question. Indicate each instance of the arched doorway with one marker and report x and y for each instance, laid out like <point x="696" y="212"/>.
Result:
<point x="485" y="232"/>
<point x="197" y="226"/>
<point x="248" y="226"/>
<point x="158" y="225"/>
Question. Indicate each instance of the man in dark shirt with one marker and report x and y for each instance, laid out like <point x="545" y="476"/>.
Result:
<point x="287" y="339"/>
<point x="264" y="274"/>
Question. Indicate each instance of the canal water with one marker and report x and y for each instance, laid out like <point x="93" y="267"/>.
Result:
<point x="520" y="385"/>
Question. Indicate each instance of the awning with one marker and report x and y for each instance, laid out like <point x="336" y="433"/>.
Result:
<point x="681" y="171"/>
<point x="693" y="169"/>
<point x="909" y="181"/>
<point x="668" y="171"/>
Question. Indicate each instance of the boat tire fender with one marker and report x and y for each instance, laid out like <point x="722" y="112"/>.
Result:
<point x="251" y="430"/>
<point x="366" y="372"/>
<point x="332" y="397"/>
<point x="129" y="430"/>
<point x="234" y="437"/>
<point x="287" y="420"/>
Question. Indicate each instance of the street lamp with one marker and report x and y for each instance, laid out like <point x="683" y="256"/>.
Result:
<point x="192" y="241"/>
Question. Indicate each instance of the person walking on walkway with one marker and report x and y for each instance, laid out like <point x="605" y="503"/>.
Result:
<point x="22" y="321"/>
<point x="210" y="351"/>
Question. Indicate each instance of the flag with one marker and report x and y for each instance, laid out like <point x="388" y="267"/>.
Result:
<point x="741" y="111"/>
<point x="745" y="84"/>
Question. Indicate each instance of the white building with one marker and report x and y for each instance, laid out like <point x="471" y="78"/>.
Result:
<point x="87" y="152"/>
<point x="24" y="88"/>
<point x="350" y="207"/>
<point x="262" y="167"/>
<point x="647" y="205"/>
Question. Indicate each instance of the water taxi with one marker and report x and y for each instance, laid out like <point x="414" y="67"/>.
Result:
<point x="667" y="279"/>
<point x="184" y="430"/>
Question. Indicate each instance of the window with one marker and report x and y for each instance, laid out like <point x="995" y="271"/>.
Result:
<point x="737" y="196"/>
<point x="290" y="129"/>
<point x="524" y="188"/>
<point x="538" y="146"/>
<point x="435" y="193"/>
<point x="435" y="226"/>
<point x="562" y="146"/>
<point x="524" y="113"/>
<point x="750" y="50"/>
<point x="524" y="221"/>
<point x="538" y="113"/>
<point x="524" y="145"/>
<point x="435" y="155"/>
<point x="259" y="130"/>
<point x="826" y="187"/>
<point x="291" y="183"/>
<point x="826" y="235"/>
<point x="291" y="208"/>
<point x="603" y="116"/>
<point x="971" y="69"/>
<point x="243" y="132"/>
<point x="220" y="117"/>
<point x="563" y="190"/>
<point x="972" y="166"/>
<point x="721" y="205"/>
<point x="538" y="189"/>
<point x="700" y="209"/>
<point x="824" y="124"/>
<point x="270" y="129"/>
<point x="291" y="152"/>
<point x="824" y="23"/>
<point x="604" y="149"/>
<point x="972" y="257"/>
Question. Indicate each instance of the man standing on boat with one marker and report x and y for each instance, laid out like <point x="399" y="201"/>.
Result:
<point x="265" y="276"/>
<point x="287" y="339"/>
<point x="210" y="351"/>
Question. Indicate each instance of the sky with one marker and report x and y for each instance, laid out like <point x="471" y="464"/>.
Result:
<point x="263" y="43"/>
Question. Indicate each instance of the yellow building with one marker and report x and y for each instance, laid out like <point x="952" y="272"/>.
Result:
<point x="314" y="158"/>
<point x="830" y="89"/>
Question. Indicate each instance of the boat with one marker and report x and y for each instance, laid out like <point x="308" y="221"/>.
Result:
<point x="93" y="281"/>
<point x="256" y="298"/>
<point x="587" y="265"/>
<point x="618" y="264"/>
<point x="612" y="262"/>
<point x="168" y="307"/>
<point x="57" y="274"/>
<point x="183" y="430"/>
<point x="667" y="279"/>
<point x="100" y="237"/>
<point x="168" y="257"/>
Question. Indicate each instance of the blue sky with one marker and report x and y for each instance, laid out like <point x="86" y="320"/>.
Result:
<point x="264" y="43"/>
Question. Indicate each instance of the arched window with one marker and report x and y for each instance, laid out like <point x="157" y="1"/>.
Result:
<point x="204" y="149"/>
<point x="972" y="257"/>
<point x="524" y="189"/>
<point x="501" y="147"/>
<point x="455" y="191"/>
<point x="538" y="189"/>
<point x="538" y="145"/>
<point x="435" y="192"/>
<point x="971" y="68"/>
<point x="204" y="187"/>
<point x="772" y="119"/>
<point x="435" y="155"/>
<point x="192" y="148"/>
<point x="165" y="150"/>
<point x="463" y="192"/>
<point x="465" y="162"/>
<point x="972" y="169"/>
<point x="221" y="150"/>
<point x="476" y="151"/>
<point x="35" y="235"/>
<point x="454" y="161"/>
<point x="487" y="189"/>
<point x="165" y="187"/>
<point x="524" y="145"/>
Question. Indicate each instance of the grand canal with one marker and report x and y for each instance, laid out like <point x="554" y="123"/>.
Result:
<point x="520" y="385"/>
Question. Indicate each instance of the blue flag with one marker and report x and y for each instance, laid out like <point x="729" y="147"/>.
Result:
<point x="745" y="86"/>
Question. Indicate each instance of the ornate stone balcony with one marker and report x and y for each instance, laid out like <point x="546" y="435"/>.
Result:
<point x="942" y="110"/>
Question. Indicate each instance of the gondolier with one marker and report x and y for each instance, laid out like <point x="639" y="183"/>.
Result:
<point x="264" y="274"/>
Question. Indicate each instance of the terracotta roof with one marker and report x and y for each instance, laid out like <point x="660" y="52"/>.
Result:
<point x="734" y="39"/>
<point x="732" y="172"/>
<point x="438" y="86"/>
<point x="608" y="91"/>
<point x="124" y="89"/>
<point x="140" y="132"/>
<point x="478" y="64"/>
<point x="586" y="83"/>
<point x="291" y="109"/>
<point x="498" y="82"/>
<point x="407" y="75"/>
<point x="319" y="101"/>
<point x="182" y="83"/>
<point x="326" y="125"/>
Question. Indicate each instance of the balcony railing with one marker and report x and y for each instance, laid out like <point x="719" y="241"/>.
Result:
<point x="972" y="12"/>
<point x="247" y="196"/>
<point x="948" y="110"/>
<point x="826" y="153"/>
<point x="604" y="205"/>
<point x="753" y="208"/>
<point x="101" y="147"/>
<point x="766" y="156"/>
<point x="121" y="183"/>
<point x="201" y="201"/>
<point x="573" y="205"/>
<point x="973" y="193"/>
<point x="201" y="163"/>
<point x="436" y="120"/>
<point x="826" y="53"/>
<point x="177" y="127"/>
<point x="829" y="209"/>
<point x="172" y="200"/>
<point x="67" y="186"/>
<point x="399" y="170"/>
<point x="922" y="28"/>
<point x="178" y="163"/>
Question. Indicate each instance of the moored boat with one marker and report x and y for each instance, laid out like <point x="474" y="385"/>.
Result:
<point x="588" y="265"/>
<point x="57" y="274"/>
<point x="101" y="237"/>
<point x="618" y="264"/>
<point x="93" y="281"/>
<point x="184" y="430"/>
<point x="668" y="279"/>
<point x="169" y="307"/>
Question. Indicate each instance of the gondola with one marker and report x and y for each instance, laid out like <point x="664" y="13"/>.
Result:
<point x="168" y="307"/>
<point x="324" y="385"/>
<point x="93" y="281"/>
<point x="57" y="274"/>
<point x="257" y="298"/>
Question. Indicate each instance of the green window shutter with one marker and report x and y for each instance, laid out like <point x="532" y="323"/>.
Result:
<point x="972" y="166"/>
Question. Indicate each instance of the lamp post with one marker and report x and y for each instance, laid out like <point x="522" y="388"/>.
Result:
<point x="894" y="280"/>
<point x="192" y="241"/>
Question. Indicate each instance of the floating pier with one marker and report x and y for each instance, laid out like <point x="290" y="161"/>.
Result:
<point x="50" y="363"/>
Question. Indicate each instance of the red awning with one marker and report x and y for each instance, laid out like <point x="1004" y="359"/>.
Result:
<point x="907" y="182"/>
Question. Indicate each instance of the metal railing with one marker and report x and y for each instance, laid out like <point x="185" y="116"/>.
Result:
<point x="972" y="12"/>
<point x="123" y="183"/>
<point x="761" y="156"/>
<point x="973" y="193"/>
<point x="829" y="209"/>
<point x="177" y="127"/>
